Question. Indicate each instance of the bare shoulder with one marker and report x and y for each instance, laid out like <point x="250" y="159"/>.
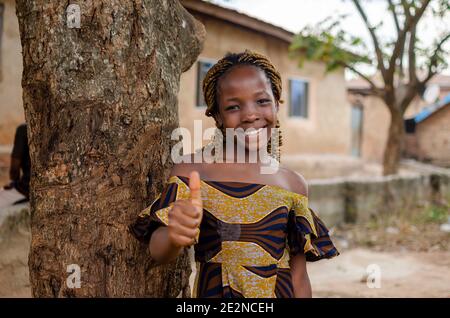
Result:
<point x="295" y="181"/>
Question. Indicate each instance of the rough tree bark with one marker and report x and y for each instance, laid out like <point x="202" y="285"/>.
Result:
<point x="101" y="103"/>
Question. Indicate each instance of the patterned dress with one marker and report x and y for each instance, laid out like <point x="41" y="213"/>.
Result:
<point x="247" y="235"/>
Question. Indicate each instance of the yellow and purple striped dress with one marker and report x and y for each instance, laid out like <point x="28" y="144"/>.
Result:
<point x="247" y="235"/>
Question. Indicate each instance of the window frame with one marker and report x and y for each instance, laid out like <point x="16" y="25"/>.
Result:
<point x="307" y="99"/>
<point x="198" y="84"/>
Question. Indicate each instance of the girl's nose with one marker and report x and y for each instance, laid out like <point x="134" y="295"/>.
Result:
<point x="250" y="114"/>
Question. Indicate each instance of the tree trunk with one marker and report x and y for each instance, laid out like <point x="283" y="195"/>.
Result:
<point x="101" y="103"/>
<point x="393" y="149"/>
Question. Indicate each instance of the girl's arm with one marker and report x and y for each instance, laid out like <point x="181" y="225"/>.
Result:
<point x="300" y="279"/>
<point x="162" y="250"/>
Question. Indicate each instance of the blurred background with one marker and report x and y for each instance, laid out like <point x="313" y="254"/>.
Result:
<point x="365" y="119"/>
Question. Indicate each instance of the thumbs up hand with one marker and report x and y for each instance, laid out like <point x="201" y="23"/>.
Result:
<point x="186" y="215"/>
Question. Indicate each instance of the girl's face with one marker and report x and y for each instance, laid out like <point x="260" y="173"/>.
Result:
<point x="246" y="101"/>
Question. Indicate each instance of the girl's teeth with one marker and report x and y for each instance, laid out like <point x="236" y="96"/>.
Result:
<point x="253" y="132"/>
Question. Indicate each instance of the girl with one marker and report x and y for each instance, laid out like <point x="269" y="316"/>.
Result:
<point x="252" y="233"/>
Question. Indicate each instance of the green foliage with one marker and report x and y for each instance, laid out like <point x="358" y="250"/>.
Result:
<point x="436" y="214"/>
<point x="326" y="42"/>
<point x="431" y="213"/>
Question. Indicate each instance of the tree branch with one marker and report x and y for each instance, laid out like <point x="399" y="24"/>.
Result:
<point x="377" y="91"/>
<point x="434" y="59"/>
<point x="394" y="15"/>
<point x="406" y="9"/>
<point x="412" y="56"/>
<point x="392" y="7"/>
<point x="410" y="22"/>
<point x="376" y="44"/>
<point x="411" y="92"/>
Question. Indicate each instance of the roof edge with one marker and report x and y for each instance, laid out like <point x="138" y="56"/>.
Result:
<point x="233" y="16"/>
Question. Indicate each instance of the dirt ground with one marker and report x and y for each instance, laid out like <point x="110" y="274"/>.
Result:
<point x="402" y="274"/>
<point x="14" y="246"/>
<point x="415" y="262"/>
<point x="407" y="248"/>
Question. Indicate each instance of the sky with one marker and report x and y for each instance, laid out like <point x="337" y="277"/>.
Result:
<point x="293" y="15"/>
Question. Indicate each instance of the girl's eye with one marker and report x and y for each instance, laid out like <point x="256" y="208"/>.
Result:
<point x="263" y="101"/>
<point x="232" y="107"/>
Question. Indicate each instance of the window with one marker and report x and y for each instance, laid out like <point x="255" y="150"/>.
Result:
<point x="202" y="69"/>
<point x="356" y="122"/>
<point x="298" y="90"/>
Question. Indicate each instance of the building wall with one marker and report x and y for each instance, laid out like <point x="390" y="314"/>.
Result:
<point x="11" y="107"/>
<point x="327" y="130"/>
<point x="433" y="137"/>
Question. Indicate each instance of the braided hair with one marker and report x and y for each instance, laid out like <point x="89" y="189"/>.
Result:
<point x="230" y="60"/>
<point x="210" y="82"/>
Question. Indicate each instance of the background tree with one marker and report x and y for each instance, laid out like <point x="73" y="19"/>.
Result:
<point x="396" y="59"/>
<point x="101" y="103"/>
